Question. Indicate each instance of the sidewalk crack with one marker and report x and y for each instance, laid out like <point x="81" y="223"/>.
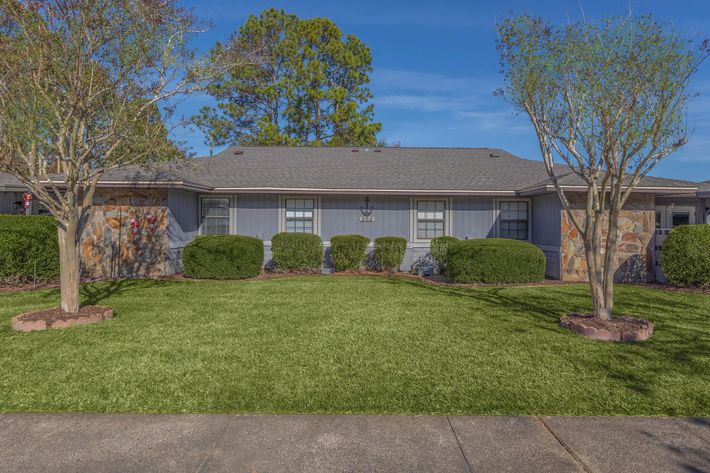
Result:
<point x="210" y="452"/>
<point x="459" y="444"/>
<point x="689" y="429"/>
<point x="564" y="445"/>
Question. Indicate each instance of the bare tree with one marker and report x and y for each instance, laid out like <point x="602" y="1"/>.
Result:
<point x="608" y="101"/>
<point x="82" y="83"/>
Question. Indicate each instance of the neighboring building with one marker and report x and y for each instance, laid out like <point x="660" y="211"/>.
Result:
<point x="416" y="193"/>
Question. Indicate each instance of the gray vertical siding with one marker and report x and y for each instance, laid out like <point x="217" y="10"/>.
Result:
<point x="183" y="224"/>
<point x="7" y="202"/>
<point x="340" y="215"/>
<point x="546" y="231"/>
<point x="257" y="215"/>
<point x="546" y="220"/>
<point x="473" y="218"/>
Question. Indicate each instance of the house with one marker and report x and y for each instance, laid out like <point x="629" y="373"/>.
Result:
<point x="416" y="193"/>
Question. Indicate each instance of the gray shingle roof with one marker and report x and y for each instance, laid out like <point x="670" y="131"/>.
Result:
<point x="8" y="181"/>
<point x="480" y="169"/>
<point x="387" y="169"/>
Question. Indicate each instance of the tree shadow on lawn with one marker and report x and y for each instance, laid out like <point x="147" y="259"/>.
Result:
<point x="672" y="349"/>
<point x="94" y="293"/>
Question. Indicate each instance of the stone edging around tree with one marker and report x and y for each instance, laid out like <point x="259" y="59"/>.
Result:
<point x="619" y="329"/>
<point x="56" y="318"/>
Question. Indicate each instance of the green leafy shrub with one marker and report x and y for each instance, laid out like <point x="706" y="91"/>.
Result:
<point x="349" y="252"/>
<point x="26" y="241"/>
<point x="439" y="250"/>
<point x="389" y="252"/>
<point x="223" y="257"/>
<point x="685" y="259"/>
<point x="494" y="261"/>
<point x="297" y="251"/>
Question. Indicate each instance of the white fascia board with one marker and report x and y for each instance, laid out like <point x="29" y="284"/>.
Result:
<point x="301" y="190"/>
<point x="639" y="189"/>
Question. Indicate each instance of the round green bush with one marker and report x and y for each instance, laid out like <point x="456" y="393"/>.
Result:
<point x="223" y="257"/>
<point x="349" y="252"/>
<point x="29" y="248"/>
<point x="296" y="251"/>
<point x="389" y="252"/>
<point x="495" y="261"/>
<point x="685" y="258"/>
<point x="439" y="250"/>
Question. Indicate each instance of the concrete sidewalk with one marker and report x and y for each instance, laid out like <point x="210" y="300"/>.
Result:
<point x="298" y="443"/>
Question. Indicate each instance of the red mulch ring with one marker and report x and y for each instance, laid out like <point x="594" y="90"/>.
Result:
<point x="57" y="318"/>
<point x="619" y="329"/>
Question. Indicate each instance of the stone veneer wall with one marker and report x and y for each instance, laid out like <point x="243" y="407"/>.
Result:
<point x="634" y="259"/>
<point x="108" y="247"/>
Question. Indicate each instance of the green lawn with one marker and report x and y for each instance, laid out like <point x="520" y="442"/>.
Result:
<point x="354" y="345"/>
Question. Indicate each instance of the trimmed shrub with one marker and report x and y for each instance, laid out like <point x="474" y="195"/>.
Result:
<point x="223" y="257"/>
<point x="439" y="250"/>
<point x="349" y="252"/>
<point x="389" y="252"/>
<point x="495" y="261"/>
<point x="297" y="251"/>
<point x="25" y="241"/>
<point x="685" y="258"/>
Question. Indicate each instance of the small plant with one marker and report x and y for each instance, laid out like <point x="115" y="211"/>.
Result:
<point x="685" y="258"/>
<point x="389" y="252"/>
<point x="223" y="257"/>
<point x="439" y="250"/>
<point x="29" y="248"/>
<point x="495" y="261"/>
<point x="297" y="251"/>
<point x="349" y="252"/>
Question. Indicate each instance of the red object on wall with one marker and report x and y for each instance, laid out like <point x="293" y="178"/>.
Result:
<point x="27" y="197"/>
<point x="151" y="221"/>
<point x="134" y="226"/>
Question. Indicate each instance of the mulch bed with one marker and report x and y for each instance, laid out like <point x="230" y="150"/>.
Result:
<point x="619" y="329"/>
<point x="10" y="288"/>
<point x="436" y="279"/>
<point x="57" y="318"/>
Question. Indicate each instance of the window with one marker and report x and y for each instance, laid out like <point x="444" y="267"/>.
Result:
<point x="299" y="215"/>
<point x="681" y="218"/>
<point x="514" y="220"/>
<point x="215" y="215"/>
<point x="430" y="219"/>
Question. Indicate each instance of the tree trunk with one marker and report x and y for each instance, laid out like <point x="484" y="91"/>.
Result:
<point x="69" y="266"/>
<point x="598" y="274"/>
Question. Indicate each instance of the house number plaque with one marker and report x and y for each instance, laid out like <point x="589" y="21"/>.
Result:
<point x="366" y="211"/>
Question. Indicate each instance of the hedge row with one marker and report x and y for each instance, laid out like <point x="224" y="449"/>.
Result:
<point x="495" y="261"/>
<point x="297" y="251"/>
<point x="349" y="252"/>
<point x="489" y="260"/>
<point x="223" y="257"/>
<point x="389" y="252"/>
<point x="685" y="259"/>
<point x="439" y="250"/>
<point x="28" y="247"/>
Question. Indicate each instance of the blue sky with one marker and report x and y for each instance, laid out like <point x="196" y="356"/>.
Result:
<point x="435" y="67"/>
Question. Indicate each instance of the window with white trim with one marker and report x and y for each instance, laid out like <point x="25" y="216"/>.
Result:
<point x="514" y="220"/>
<point x="681" y="218"/>
<point x="299" y="215"/>
<point x="215" y="215"/>
<point x="431" y="219"/>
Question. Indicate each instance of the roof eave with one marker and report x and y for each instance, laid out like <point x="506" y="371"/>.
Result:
<point x="313" y="190"/>
<point x="663" y="190"/>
